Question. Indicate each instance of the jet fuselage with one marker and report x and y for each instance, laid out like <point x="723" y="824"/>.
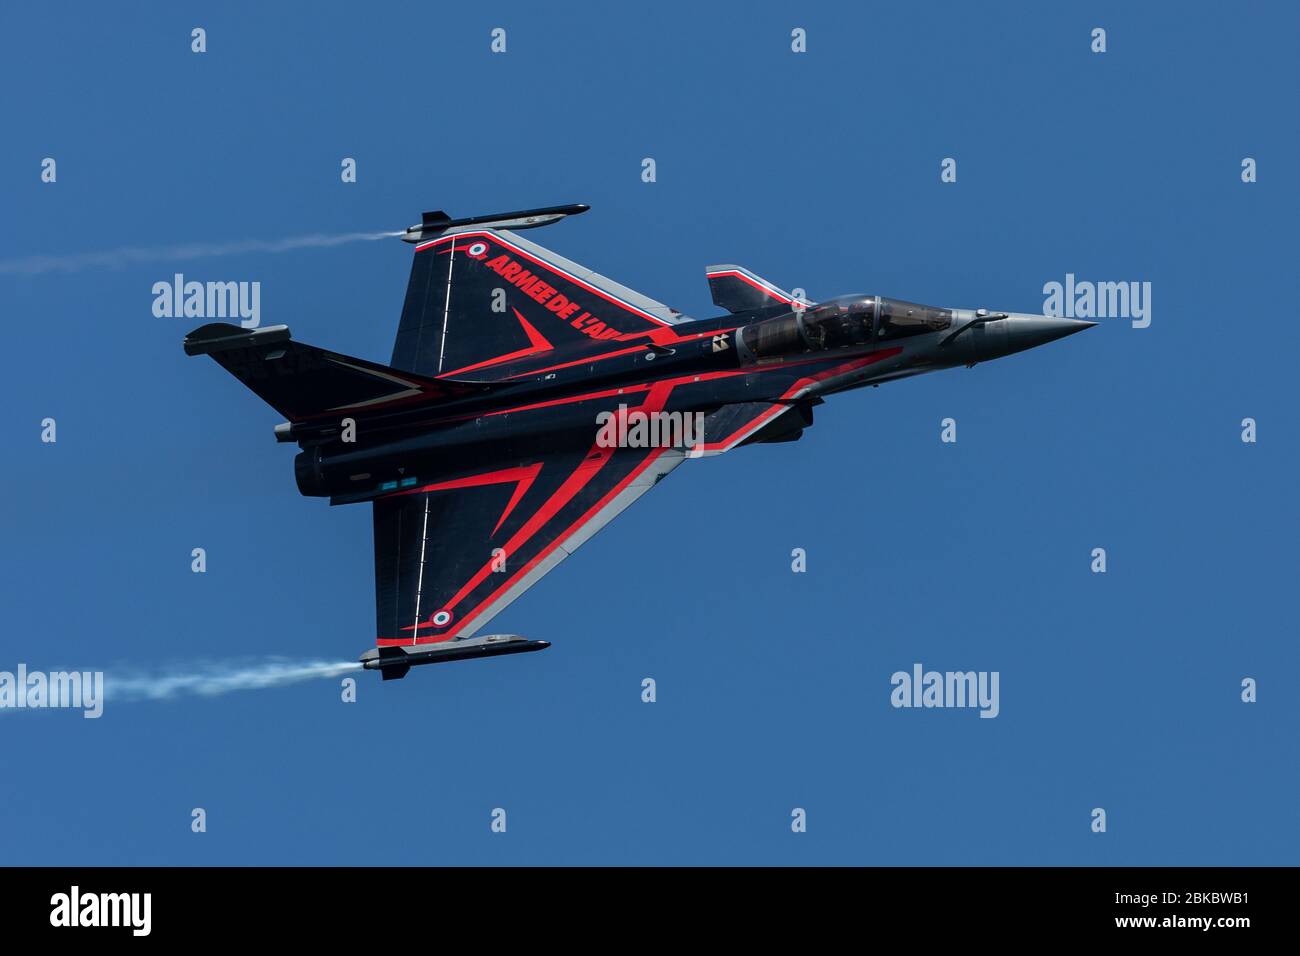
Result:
<point x="844" y="343"/>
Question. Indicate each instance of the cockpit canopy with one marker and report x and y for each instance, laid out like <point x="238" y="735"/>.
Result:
<point x="850" y="320"/>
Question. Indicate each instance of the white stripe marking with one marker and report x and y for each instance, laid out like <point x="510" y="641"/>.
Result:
<point x="446" y="306"/>
<point x="419" y="584"/>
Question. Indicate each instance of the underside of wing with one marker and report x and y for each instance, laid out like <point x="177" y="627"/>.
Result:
<point x="482" y="302"/>
<point x="450" y="555"/>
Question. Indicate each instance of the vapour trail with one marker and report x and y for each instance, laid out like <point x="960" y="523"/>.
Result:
<point x="130" y="255"/>
<point x="212" y="680"/>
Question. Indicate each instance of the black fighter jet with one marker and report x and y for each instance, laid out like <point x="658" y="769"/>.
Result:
<point x="529" y="400"/>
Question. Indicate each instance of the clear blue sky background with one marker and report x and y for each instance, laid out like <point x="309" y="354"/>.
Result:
<point x="820" y="171"/>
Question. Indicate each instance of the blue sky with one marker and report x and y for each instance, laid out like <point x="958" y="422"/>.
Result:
<point x="818" y="170"/>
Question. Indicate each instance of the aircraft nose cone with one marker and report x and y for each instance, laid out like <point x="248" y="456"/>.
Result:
<point x="1028" y="331"/>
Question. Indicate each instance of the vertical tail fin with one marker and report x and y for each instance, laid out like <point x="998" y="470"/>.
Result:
<point x="304" y="383"/>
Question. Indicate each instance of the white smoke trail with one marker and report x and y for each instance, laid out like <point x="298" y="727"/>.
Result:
<point x="129" y="255"/>
<point x="211" y="680"/>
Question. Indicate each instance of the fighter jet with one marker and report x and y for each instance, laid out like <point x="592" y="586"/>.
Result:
<point x="529" y="400"/>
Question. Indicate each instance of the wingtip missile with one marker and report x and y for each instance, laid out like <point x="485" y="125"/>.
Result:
<point x="434" y="224"/>
<point x="394" y="662"/>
